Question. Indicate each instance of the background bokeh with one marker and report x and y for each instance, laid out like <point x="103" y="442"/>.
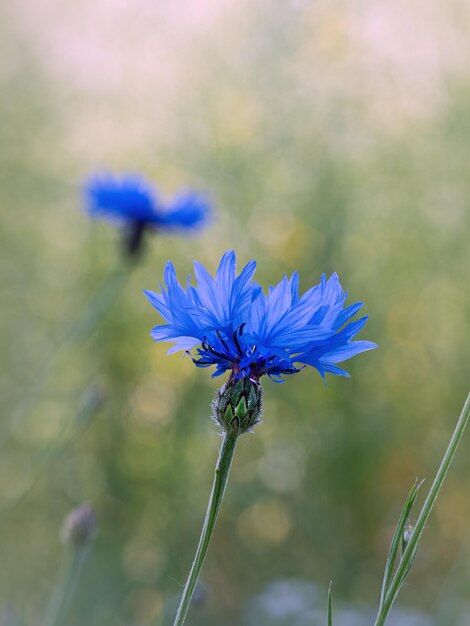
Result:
<point x="331" y="137"/>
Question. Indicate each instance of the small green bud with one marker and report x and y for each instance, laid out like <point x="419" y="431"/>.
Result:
<point x="237" y="405"/>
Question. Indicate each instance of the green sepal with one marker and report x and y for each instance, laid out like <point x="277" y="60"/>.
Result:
<point x="237" y="405"/>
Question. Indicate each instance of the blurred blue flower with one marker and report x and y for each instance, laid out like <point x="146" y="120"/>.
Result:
<point x="234" y="326"/>
<point x="133" y="203"/>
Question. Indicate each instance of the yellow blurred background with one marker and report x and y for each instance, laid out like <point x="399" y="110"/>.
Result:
<point x="331" y="137"/>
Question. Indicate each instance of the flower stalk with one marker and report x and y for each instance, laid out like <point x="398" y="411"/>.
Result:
<point x="90" y="404"/>
<point x="69" y="572"/>
<point x="74" y="335"/>
<point x="77" y="534"/>
<point x="222" y="471"/>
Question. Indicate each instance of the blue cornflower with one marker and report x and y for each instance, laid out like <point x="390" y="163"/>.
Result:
<point x="233" y="325"/>
<point x="133" y="203"/>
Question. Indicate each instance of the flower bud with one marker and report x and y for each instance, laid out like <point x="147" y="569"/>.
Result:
<point x="79" y="526"/>
<point x="237" y="405"/>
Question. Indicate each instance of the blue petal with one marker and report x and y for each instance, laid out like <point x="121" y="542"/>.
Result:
<point x="128" y="198"/>
<point x="158" y="301"/>
<point x="347" y="351"/>
<point x="187" y="211"/>
<point x="346" y="314"/>
<point x="242" y="291"/>
<point x="208" y="291"/>
<point x="294" y="286"/>
<point x="226" y="272"/>
<point x="333" y="369"/>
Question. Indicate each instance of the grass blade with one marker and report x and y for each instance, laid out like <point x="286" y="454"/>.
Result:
<point x="330" y="610"/>
<point x="410" y="551"/>
<point x="397" y="539"/>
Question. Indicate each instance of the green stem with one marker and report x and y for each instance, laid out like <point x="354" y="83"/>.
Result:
<point x="407" y="558"/>
<point x="68" y="433"/>
<point x="222" y="471"/>
<point x="71" y="567"/>
<point x="79" y="330"/>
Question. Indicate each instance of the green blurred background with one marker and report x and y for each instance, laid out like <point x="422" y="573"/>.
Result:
<point x="331" y="137"/>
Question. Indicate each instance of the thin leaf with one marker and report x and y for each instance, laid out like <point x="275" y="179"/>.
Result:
<point x="397" y="538"/>
<point x="406" y="571"/>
